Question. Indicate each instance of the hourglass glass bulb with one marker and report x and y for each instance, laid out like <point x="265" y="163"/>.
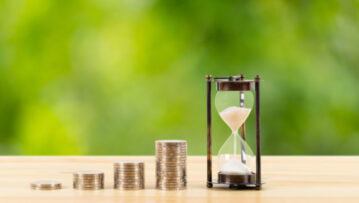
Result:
<point x="235" y="155"/>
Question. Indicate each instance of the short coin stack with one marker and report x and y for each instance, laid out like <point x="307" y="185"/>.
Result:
<point x="45" y="185"/>
<point x="129" y="175"/>
<point x="88" y="180"/>
<point x="171" y="164"/>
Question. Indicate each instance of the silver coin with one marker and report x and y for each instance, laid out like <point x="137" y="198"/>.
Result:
<point x="46" y="185"/>
<point x="88" y="173"/>
<point x="171" y="141"/>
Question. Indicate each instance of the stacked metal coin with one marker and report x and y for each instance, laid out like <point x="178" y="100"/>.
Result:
<point x="45" y="185"/>
<point x="88" y="180"/>
<point x="171" y="164"/>
<point x="129" y="175"/>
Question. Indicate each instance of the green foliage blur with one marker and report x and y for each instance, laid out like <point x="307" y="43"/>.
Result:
<point x="109" y="77"/>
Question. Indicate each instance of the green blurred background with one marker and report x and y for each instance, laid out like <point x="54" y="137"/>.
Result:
<point x="112" y="76"/>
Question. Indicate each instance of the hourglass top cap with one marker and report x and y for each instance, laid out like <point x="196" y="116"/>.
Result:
<point x="235" y="83"/>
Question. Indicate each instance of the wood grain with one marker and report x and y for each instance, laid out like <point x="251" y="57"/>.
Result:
<point x="288" y="179"/>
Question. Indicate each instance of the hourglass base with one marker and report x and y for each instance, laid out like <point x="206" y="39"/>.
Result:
<point x="235" y="181"/>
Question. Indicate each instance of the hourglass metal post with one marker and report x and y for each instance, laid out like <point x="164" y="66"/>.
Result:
<point x="258" y="134"/>
<point x="235" y="83"/>
<point x="209" y="133"/>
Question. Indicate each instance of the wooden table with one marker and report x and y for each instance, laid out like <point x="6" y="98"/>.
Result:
<point x="288" y="179"/>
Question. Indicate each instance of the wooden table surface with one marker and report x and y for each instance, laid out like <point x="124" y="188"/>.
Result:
<point x="288" y="179"/>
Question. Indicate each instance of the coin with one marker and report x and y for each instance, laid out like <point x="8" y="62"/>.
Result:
<point x="129" y="175"/>
<point x="45" y="185"/>
<point x="88" y="180"/>
<point x="171" y="164"/>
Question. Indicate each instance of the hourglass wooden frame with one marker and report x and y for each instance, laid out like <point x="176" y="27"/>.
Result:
<point x="234" y="83"/>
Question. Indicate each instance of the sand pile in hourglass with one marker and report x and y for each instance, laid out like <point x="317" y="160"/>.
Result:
<point x="171" y="164"/>
<point x="234" y="117"/>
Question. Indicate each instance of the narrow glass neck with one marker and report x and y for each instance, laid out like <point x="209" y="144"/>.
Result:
<point x="235" y="134"/>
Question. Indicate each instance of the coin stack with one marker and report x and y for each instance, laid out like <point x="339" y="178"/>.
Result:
<point x="45" y="185"/>
<point x="88" y="180"/>
<point x="129" y="175"/>
<point x="171" y="164"/>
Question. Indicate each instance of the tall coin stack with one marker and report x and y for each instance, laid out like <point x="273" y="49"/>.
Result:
<point x="129" y="175"/>
<point x="88" y="180"/>
<point x="171" y="164"/>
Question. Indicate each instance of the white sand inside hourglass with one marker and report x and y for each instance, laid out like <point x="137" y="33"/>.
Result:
<point x="234" y="117"/>
<point x="235" y="166"/>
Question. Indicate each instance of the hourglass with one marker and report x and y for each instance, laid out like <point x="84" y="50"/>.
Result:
<point x="238" y="167"/>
